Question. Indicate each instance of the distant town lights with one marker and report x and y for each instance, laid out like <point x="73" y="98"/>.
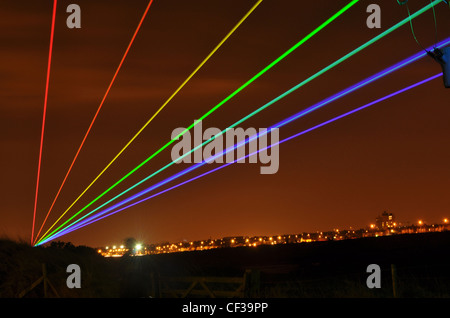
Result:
<point x="381" y="227"/>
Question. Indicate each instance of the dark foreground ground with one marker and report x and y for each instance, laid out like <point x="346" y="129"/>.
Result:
<point x="321" y="269"/>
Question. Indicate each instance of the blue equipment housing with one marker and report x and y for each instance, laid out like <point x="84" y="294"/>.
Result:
<point x="442" y="56"/>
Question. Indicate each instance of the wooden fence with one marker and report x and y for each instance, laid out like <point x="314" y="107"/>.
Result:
<point x="42" y="280"/>
<point x="213" y="287"/>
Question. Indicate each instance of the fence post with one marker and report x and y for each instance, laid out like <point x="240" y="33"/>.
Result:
<point x="43" y="279"/>
<point x="155" y="285"/>
<point x="44" y="275"/>
<point x="252" y="283"/>
<point x="394" y="280"/>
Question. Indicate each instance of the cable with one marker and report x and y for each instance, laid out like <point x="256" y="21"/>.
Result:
<point x="87" y="222"/>
<point x="165" y="103"/>
<point x="435" y="28"/>
<point x="310" y="35"/>
<point x="412" y="28"/>
<point x="98" y="110"/>
<point x="47" y="84"/>
<point x="278" y="125"/>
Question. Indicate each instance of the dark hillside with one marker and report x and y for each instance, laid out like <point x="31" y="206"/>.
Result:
<point x="320" y="269"/>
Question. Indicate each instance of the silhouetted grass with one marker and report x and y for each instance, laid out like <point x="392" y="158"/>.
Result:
<point x="311" y="270"/>
<point x="21" y="266"/>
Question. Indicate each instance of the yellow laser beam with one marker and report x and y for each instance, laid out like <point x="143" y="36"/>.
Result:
<point x="161" y="108"/>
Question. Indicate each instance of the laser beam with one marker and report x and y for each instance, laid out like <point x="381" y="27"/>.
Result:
<point x="47" y="84"/>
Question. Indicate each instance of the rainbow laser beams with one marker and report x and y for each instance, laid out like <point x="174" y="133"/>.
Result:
<point x="281" y="96"/>
<point x="271" y="65"/>
<point x="295" y="116"/>
<point x="90" y="221"/>
<point x="47" y="84"/>
<point x="341" y="94"/>
<point x="96" y="114"/>
<point x="155" y="114"/>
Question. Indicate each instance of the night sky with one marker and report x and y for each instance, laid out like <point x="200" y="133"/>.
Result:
<point x="393" y="156"/>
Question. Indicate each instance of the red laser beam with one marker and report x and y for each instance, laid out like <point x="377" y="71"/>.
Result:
<point x="98" y="111"/>
<point x="52" y="33"/>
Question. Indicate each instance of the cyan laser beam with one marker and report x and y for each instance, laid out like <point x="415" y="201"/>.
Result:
<point x="88" y="222"/>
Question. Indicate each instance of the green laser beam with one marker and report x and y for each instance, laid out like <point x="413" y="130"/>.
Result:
<point x="284" y="55"/>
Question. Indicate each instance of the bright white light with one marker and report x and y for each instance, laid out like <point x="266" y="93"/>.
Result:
<point x="138" y="247"/>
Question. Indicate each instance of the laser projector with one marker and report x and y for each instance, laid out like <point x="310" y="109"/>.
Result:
<point x="442" y="56"/>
